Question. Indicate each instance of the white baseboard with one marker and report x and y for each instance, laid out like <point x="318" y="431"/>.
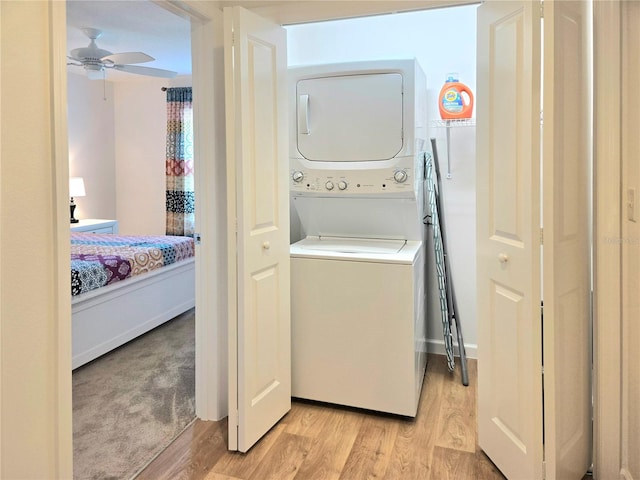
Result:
<point x="437" y="346"/>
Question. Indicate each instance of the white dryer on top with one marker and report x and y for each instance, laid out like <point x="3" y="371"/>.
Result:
<point x="356" y="128"/>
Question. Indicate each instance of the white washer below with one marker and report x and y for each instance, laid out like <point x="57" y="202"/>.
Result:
<point x="358" y="324"/>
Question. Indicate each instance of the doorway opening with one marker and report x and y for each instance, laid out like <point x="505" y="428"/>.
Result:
<point x="136" y="398"/>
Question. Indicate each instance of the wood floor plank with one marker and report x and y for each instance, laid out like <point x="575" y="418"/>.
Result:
<point x="242" y="465"/>
<point x="411" y="457"/>
<point x="219" y="476"/>
<point x="457" y="423"/>
<point x="191" y="455"/>
<point x="306" y="419"/>
<point x="450" y="464"/>
<point x="331" y="448"/>
<point x="372" y="449"/>
<point x="284" y="458"/>
<point x="317" y="442"/>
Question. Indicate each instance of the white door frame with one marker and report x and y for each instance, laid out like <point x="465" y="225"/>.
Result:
<point x="607" y="218"/>
<point x="211" y="205"/>
<point x="607" y="215"/>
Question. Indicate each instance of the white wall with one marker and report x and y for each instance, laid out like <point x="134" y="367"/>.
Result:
<point x="442" y="41"/>
<point x="91" y="144"/>
<point x="35" y="364"/>
<point x="117" y="143"/>
<point x="140" y="116"/>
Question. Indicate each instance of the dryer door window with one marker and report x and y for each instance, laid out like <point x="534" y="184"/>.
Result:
<point x="350" y="118"/>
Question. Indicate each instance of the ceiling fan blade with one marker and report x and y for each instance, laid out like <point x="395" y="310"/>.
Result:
<point x="152" y="72"/>
<point x="127" y="57"/>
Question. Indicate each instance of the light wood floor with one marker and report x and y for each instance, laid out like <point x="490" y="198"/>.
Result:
<point x="317" y="441"/>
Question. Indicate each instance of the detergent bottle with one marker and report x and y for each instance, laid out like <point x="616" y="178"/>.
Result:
<point x="456" y="99"/>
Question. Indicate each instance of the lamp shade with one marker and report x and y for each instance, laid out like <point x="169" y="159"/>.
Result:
<point x="76" y="187"/>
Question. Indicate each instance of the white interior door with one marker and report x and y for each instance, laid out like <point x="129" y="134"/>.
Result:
<point x="257" y="164"/>
<point x="566" y="267"/>
<point x="508" y="234"/>
<point x="523" y="416"/>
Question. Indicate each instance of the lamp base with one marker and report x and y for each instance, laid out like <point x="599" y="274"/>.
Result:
<point x="72" y="208"/>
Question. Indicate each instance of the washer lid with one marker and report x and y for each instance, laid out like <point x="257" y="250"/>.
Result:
<point x="351" y="245"/>
<point x="357" y="249"/>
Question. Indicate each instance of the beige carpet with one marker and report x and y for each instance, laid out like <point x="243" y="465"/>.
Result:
<point x="131" y="403"/>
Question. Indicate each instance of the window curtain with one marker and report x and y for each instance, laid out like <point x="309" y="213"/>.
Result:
<point x="180" y="197"/>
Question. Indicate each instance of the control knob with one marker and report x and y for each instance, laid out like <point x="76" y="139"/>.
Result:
<point x="400" y="176"/>
<point x="329" y="185"/>
<point x="342" y="185"/>
<point x="297" y="176"/>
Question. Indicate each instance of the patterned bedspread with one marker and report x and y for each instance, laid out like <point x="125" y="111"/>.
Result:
<point x="102" y="259"/>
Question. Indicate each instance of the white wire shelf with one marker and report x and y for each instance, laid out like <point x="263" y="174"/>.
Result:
<point x="458" y="122"/>
<point x="448" y="124"/>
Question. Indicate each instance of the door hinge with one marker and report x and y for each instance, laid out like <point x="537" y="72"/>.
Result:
<point x="541" y="9"/>
<point x="237" y="419"/>
<point x="197" y="238"/>
<point x="544" y="470"/>
<point x="541" y="236"/>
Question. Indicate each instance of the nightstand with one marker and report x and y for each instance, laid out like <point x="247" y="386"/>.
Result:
<point x="95" y="225"/>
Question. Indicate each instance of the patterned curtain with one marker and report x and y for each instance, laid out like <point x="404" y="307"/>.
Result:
<point x="180" y="194"/>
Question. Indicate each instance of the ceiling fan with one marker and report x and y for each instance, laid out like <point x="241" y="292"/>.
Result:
<point x="96" y="60"/>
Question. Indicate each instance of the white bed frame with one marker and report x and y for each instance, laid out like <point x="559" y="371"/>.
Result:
<point x="110" y="316"/>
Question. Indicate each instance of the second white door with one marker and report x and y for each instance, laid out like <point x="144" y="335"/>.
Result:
<point x="258" y="211"/>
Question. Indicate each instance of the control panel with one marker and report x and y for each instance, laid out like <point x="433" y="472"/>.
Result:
<point x="399" y="178"/>
<point x="354" y="182"/>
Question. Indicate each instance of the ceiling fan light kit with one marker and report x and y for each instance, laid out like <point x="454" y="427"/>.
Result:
<point x="96" y="61"/>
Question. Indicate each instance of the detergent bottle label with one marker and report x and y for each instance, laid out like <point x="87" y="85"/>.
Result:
<point x="452" y="101"/>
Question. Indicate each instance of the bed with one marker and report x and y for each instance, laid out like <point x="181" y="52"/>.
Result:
<point x="124" y="286"/>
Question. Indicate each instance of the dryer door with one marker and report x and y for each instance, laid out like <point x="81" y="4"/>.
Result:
<point x="350" y="118"/>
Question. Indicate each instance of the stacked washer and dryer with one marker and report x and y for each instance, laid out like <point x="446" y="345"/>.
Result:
<point x="358" y="145"/>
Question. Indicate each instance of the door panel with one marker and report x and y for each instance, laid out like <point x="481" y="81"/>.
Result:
<point x="259" y="329"/>
<point x="508" y="222"/>
<point x="566" y="166"/>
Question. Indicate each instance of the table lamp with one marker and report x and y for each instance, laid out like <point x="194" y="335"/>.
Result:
<point x="76" y="189"/>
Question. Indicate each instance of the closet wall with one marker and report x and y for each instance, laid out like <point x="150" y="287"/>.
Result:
<point x="443" y="41"/>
